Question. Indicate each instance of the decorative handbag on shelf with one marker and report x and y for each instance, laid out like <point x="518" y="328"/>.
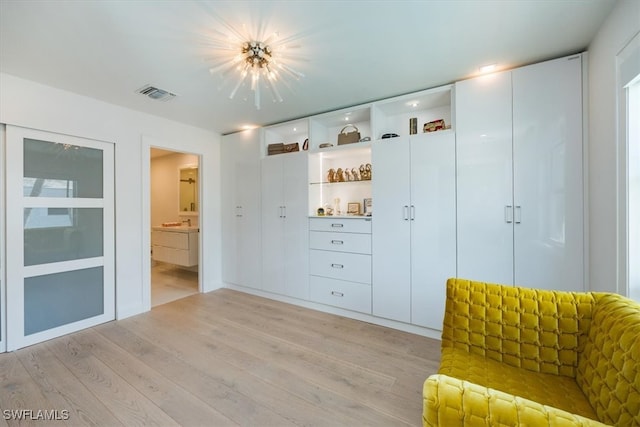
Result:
<point x="289" y="148"/>
<point x="348" y="137"/>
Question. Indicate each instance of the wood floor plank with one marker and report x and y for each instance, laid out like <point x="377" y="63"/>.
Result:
<point x="63" y="390"/>
<point x="18" y="392"/>
<point x="203" y="383"/>
<point x="184" y="407"/>
<point x="340" y="376"/>
<point x="225" y="358"/>
<point x="129" y="406"/>
<point x="173" y="339"/>
<point x="207" y="340"/>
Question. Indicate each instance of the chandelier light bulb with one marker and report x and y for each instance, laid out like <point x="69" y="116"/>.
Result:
<point x="255" y="55"/>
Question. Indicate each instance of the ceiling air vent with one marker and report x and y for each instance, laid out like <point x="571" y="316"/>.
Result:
<point x="155" y="93"/>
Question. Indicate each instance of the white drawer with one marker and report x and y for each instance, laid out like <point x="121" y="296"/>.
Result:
<point x="341" y="242"/>
<point x="173" y="256"/>
<point x="170" y="239"/>
<point x="345" y="225"/>
<point x="347" y="295"/>
<point x="340" y="265"/>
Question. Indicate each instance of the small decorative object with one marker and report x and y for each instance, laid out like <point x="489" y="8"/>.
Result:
<point x="347" y="175"/>
<point x="389" y="135"/>
<point x="305" y="144"/>
<point x="348" y="137"/>
<point x="366" y="138"/>
<point x="365" y="172"/>
<point x="336" y="206"/>
<point x="290" y="148"/>
<point x="275" y="149"/>
<point x="353" y="208"/>
<point x="325" y="145"/>
<point x="320" y="211"/>
<point x="328" y="210"/>
<point x="433" y="126"/>
<point x="331" y="176"/>
<point x="413" y="126"/>
<point x="339" y="175"/>
<point x="368" y="206"/>
<point x="355" y="174"/>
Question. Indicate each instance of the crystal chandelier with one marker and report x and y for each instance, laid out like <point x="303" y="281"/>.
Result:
<point x="264" y="63"/>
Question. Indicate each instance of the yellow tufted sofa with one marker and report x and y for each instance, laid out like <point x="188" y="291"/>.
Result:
<point x="515" y="356"/>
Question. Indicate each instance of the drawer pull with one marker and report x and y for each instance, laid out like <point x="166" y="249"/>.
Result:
<point x="337" y="225"/>
<point x="337" y="294"/>
<point x="337" y="242"/>
<point x="337" y="265"/>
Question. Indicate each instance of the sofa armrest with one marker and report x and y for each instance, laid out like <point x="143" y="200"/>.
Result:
<point x="452" y="402"/>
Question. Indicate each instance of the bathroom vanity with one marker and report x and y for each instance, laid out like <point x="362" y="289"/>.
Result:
<point x="175" y="245"/>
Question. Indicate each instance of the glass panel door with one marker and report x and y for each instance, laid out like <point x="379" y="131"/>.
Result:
<point x="60" y="225"/>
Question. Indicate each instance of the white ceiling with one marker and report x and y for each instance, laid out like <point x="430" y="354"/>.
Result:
<point x="354" y="51"/>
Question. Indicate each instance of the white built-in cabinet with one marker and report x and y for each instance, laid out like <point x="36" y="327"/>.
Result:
<point x="414" y="246"/>
<point x="520" y="176"/>
<point x="498" y="196"/>
<point x="285" y="228"/>
<point x="241" y="211"/>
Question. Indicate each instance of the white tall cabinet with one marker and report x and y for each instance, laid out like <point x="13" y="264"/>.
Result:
<point x="414" y="246"/>
<point x="285" y="225"/>
<point x="241" y="211"/>
<point x="520" y="176"/>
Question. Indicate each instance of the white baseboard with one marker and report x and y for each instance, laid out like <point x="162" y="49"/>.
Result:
<point x="405" y="327"/>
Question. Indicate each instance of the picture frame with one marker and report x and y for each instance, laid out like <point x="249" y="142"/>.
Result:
<point x="368" y="206"/>
<point x="353" y="208"/>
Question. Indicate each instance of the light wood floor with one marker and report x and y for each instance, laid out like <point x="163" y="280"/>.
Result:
<point x="170" y="283"/>
<point x="224" y="358"/>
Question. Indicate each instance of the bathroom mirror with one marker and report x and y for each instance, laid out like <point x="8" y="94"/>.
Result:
<point x="189" y="189"/>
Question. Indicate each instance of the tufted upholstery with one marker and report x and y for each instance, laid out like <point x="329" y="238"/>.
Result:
<point x="609" y="367"/>
<point x="511" y="353"/>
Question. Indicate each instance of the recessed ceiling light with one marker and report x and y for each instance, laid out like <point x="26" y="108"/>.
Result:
<point x="413" y="103"/>
<point x="295" y="129"/>
<point x="488" y="68"/>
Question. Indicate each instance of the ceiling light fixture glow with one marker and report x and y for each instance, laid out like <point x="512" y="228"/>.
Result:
<point x="259" y="63"/>
<point x="487" y="68"/>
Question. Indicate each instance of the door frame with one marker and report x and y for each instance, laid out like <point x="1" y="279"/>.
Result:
<point x="149" y="142"/>
<point x="3" y="261"/>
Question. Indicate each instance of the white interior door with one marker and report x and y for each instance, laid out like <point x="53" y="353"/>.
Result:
<point x="3" y="302"/>
<point x="60" y="225"/>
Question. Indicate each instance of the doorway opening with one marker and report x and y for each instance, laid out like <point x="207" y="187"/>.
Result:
<point x="175" y="227"/>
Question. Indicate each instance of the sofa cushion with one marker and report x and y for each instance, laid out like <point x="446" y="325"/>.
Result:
<point x="534" y="329"/>
<point x="609" y="366"/>
<point x="547" y="389"/>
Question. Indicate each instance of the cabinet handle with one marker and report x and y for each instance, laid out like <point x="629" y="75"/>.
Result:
<point x="508" y="214"/>
<point x="518" y="214"/>
<point x="405" y="212"/>
<point x="413" y="212"/>
<point x="284" y="212"/>
<point x="337" y="294"/>
<point x="238" y="211"/>
<point x="337" y="225"/>
<point x="337" y="242"/>
<point x="337" y="265"/>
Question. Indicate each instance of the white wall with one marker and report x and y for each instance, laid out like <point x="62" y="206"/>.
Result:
<point x="28" y="104"/>
<point x="165" y="186"/>
<point x="617" y="31"/>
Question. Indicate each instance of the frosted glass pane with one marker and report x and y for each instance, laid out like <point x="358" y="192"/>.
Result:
<point x="54" y="300"/>
<point x="61" y="170"/>
<point x="62" y="234"/>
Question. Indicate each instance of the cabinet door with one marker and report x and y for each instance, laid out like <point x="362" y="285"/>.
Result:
<point x="241" y="214"/>
<point x="391" y="230"/>
<point x="296" y="225"/>
<point x="484" y="178"/>
<point x="548" y="187"/>
<point x="273" y="255"/>
<point x="433" y="225"/>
